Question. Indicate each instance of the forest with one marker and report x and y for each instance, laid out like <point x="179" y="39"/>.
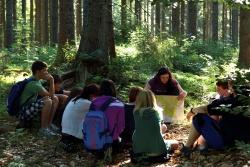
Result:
<point x="126" y="41"/>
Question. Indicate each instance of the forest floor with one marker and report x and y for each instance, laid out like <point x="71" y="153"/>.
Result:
<point x="24" y="148"/>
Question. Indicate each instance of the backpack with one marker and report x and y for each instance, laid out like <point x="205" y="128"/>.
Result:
<point x="13" y="100"/>
<point x="96" y="136"/>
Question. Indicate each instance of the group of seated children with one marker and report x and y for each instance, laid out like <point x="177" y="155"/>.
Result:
<point x="137" y="124"/>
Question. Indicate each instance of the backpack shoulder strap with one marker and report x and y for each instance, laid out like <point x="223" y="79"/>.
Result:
<point x="107" y="103"/>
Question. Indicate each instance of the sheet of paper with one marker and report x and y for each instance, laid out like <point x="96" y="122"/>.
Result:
<point x="173" y="109"/>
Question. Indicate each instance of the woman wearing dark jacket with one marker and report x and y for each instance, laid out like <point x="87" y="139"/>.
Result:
<point x="164" y="84"/>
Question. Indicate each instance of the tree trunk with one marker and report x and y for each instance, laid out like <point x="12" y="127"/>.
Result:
<point x="95" y="47"/>
<point x="66" y="29"/>
<point x="182" y="18"/>
<point x="215" y="17"/>
<point x="44" y="22"/>
<point x="53" y="22"/>
<point x="38" y="21"/>
<point x="137" y="12"/>
<point x="207" y="20"/>
<point x="192" y="19"/>
<point x="163" y="21"/>
<point x="123" y="19"/>
<point x="235" y="26"/>
<point x="14" y="13"/>
<point x="111" y="35"/>
<point x="9" y="37"/>
<point x="31" y="20"/>
<point x="224" y="22"/>
<point x="78" y="5"/>
<point x="2" y="22"/>
<point x="157" y="18"/>
<point x="176" y="20"/>
<point x="244" y="56"/>
<point x="152" y="25"/>
<point x="23" y="22"/>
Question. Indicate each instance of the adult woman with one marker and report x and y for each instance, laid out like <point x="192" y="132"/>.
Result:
<point x="163" y="83"/>
<point x="147" y="139"/>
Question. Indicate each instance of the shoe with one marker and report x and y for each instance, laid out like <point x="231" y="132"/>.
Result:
<point x="186" y="151"/>
<point x="47" y="133"/>
<point x="55" y="129"/>
<point x="202" y="148"/>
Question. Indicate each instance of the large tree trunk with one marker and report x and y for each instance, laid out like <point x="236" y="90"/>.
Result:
<point x="38" y="21"/>
<point x="95" y="47"/>
<point x="215" y="17"/>
<point x="192" y="18"/>
<point x="157" y="18"/>
<point x="9" y="37"/>
<point x="244" y="56"/>
<point x="53" y="22"/>
<point x="31" y="20"/>
<point x="78" y="5"/>
<point x="66" y="28"/>
<point x="235" y="26"/>
<point x="2" y="22"/>
<point x="123" y="19"/>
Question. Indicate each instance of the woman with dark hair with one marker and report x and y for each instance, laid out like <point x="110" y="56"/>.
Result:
<point x="163" y="83"/>
<point x="75" y="112"/>
<point x="114" y="112"/>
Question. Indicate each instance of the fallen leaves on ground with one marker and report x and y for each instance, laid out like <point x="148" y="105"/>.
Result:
<point x="25" y="148"/>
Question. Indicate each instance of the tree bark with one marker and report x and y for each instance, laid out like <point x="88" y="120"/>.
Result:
<point x="163" y="20"/>
<point x="157" y="18"/>
<point x="137" y="12"/>
<point x="123" y="19"/>
<point x="66" y="29"/>
<point x="244" y="55"/>
<point x="44" y="22"/>
<point x="192" y="19"/>
<point x="215" y="17"/>
<point x="53" y="22"/>
<point x="23" y="22"/>
<point x="9" y="37"/>
<point x="235" y="26"/>
<point x="176" y="19"/>
<point x="78" y="9"/>
<point x="182" y="18"/>
<point x="95" y="48"/>
<point x="224" y="22"/>
<point x="152" y="20"/>
<point x="31" y="20"/>
<point x="38" y="21"/>
<point x="2" y="22"/>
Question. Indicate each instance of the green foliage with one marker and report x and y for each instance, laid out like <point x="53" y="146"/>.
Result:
<point x="244" y="147"/>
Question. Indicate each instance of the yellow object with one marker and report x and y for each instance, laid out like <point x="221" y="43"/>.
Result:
<point x="173" y="109"/>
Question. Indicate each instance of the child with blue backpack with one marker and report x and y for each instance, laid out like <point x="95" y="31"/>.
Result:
<point x="31" y="105"/>
<point x="104" y="122"/>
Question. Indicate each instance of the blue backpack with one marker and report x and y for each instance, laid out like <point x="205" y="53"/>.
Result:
<point x="96" y="136"/>
<point x="13" y="101"/>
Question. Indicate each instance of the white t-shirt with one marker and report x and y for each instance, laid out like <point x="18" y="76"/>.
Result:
<point x="73" y="117"/>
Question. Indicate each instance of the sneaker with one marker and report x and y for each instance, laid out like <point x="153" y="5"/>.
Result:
<point x="45" y="132"/>
<point x="54" y="128"/>
<point x="186" y="151"/>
